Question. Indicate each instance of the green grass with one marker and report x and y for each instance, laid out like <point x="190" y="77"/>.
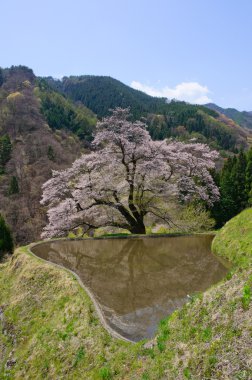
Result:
<point x="50" y="329"/>
<point x="234" y="240"/>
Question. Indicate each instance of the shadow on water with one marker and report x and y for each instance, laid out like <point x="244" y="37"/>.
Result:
<point x="137" y="282"/>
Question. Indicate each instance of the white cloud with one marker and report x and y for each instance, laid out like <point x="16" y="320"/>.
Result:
<point x="191" y="92"/>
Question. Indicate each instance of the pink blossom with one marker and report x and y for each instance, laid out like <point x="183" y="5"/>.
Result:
<point x="127" y="177"/>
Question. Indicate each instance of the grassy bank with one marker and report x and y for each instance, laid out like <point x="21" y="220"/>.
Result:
<point x="50" y="330"/>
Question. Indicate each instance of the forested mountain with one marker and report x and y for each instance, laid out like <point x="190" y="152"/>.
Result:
<point x="38" y="133"/>
<point x="173" y="119"/>
<point x="62" y="113"/>
<point x="45" y="124"/>
<point x="244" y="118"/>
<point x="101" y="93"/>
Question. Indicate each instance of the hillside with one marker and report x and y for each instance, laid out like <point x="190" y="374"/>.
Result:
<point x="50" y="329"/>
<point x="46" y="123"/>
<point x="174" y="119"/>
<point x="102" y="93"/>
<point x="243" y="118"/>
<point x="39" y="131"/>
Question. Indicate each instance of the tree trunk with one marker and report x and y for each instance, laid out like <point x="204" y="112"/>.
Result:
<point x="138" y="229"/>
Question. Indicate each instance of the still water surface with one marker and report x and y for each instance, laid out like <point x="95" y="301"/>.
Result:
<point x="137" y="282"/>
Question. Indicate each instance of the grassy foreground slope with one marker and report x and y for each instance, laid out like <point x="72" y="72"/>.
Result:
<point x="49" y="328"/>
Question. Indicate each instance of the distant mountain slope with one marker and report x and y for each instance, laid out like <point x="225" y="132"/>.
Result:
<point x="32" y="143"/>
<point x="174" y="119"/>
<point x="189" y="122"/>
<point x="101" y="93"/>
<point x="62" y="113"/>
<point x="243" y="118"/>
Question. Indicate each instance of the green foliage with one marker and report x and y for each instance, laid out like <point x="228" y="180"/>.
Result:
<point x="80" y="355"/>
<point x="196" y="218"/>
<point x="50" y="153"/>
<point x="187" y="373"/>
<point x="164" y="333"/>
<point x="162" y="230"/>
<point x="13" y="187"/>
<point x="207" y="334"/>
<point x="6" y="241"/>
<point x="235" y="183"/>
<point x="145" y="376"/>
<point x="60" y="112"/>
<point x="247" y="295"/>
<point x="105" y="373"/>
<point x="5" y="151"/>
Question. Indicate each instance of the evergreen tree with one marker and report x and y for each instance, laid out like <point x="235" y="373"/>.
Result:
<point x="248" y="174"/>
<point x="238" y="183"/>
<point x="5" y="151"/>
<point x="223" y="210"/>
<point x="6" y="241"/>
<point x="235" y="184"/>
<point x="13" y="187"/>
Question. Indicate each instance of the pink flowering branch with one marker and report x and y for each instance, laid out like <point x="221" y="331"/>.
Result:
<point x="127" y="177"/>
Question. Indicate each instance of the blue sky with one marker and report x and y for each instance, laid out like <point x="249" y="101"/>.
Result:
<point x="197" y="50"/>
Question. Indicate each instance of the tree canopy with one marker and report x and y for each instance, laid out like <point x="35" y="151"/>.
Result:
<point x="127" y="177"/>
<point x="235" y="183"/>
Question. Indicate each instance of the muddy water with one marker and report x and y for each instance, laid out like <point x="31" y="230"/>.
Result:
<point x="137" y="282"/>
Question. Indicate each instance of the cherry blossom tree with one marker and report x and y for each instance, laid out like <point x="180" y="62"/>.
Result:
<point x="126" y="177"/>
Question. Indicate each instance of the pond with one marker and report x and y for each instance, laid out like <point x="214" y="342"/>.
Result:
<point x="136" y="282"/>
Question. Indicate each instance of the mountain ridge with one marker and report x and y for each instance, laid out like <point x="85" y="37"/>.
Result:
<point x="175" y="119"/>
<point x="81" y="88"/>
<point x="243" y="118"/>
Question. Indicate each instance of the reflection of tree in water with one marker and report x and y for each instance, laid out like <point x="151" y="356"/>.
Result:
<point x="129" y="274"/>
<point x="138" y="281"/>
